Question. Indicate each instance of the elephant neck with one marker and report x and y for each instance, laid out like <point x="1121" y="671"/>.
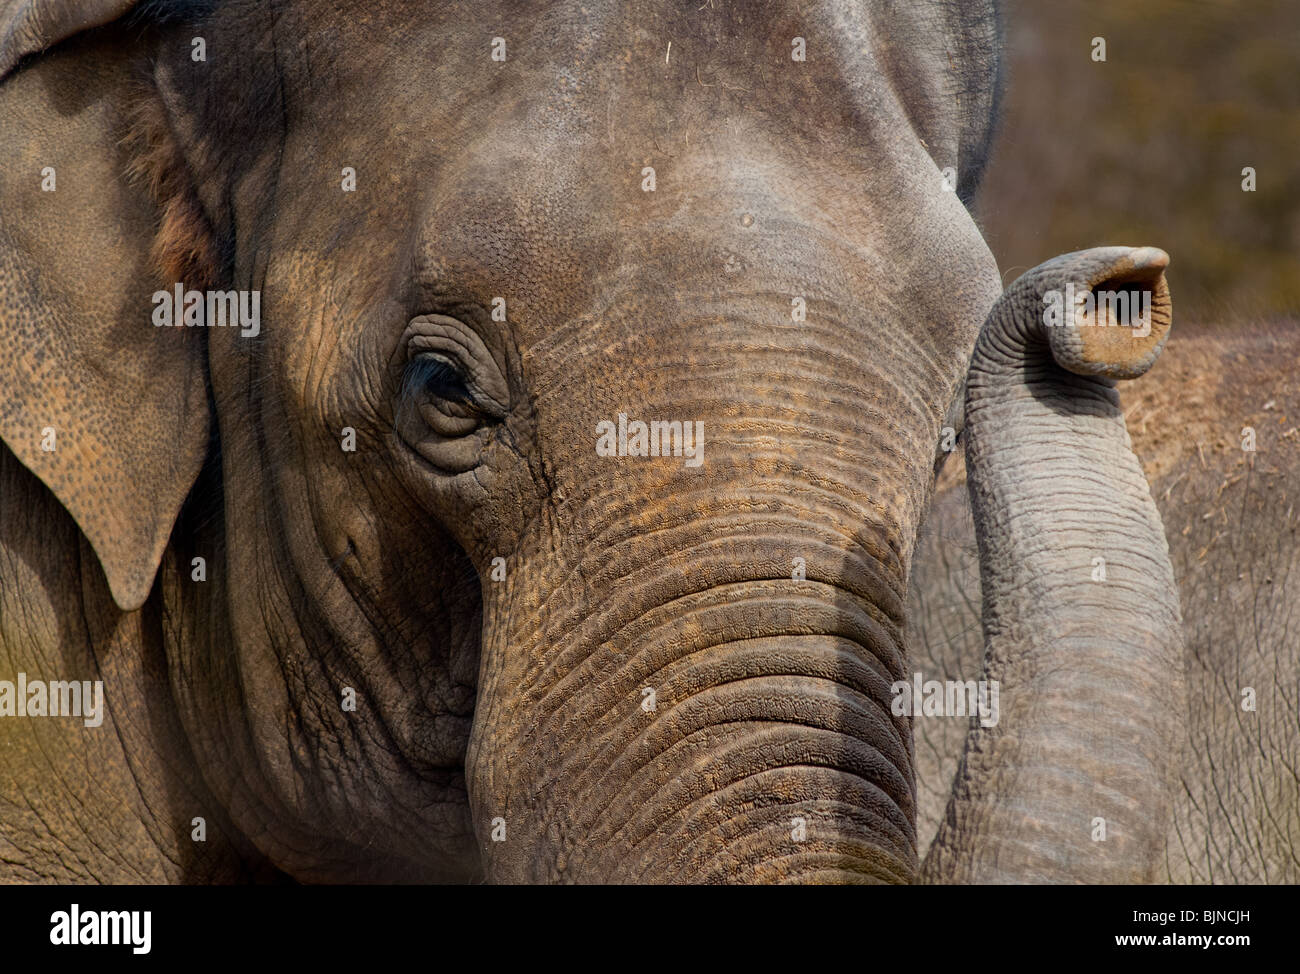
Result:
<point x="107" y="792"/>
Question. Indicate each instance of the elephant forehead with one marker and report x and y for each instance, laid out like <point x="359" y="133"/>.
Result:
<point x="553" y="165"/>
<point x="576" y="231"/>
<point x="658" y="74"/>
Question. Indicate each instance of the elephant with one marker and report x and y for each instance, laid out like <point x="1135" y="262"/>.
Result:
<point x="1215" y="427"/>
<point x="333" y="347"/>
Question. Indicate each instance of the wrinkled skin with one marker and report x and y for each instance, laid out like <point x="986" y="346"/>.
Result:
<point x="512" y="705"/>
<point x="1090" y="668"/>
<point x="1231" y="521"/>
<point x="329" y="569"/>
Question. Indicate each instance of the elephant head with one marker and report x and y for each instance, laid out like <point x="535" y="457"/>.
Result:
<point x="556" y="512"/>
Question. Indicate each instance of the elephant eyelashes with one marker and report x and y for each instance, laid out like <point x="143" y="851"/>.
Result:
<point x="437" y="377"/>
<point x="450" y="392"/>
<point x="436" y="398"/>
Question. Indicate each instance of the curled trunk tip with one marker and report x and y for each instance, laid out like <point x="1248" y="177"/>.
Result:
<point x="1103" y="312"/>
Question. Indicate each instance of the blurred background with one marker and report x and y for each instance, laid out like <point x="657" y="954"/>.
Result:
<point x="1148" y="147"/>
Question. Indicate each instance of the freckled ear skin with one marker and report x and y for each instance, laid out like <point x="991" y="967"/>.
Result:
<point x="79" y="353"/>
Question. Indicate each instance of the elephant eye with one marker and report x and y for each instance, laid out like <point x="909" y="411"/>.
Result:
<point x="438" y="377"/>
<point x="449" y="393"/>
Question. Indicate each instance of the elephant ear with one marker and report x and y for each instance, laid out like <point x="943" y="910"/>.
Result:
<point x="29" y="27"/>
<point x="108" y="411"/>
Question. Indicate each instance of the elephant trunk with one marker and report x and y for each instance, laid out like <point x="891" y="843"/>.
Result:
<point x="1073" y="779"/>
<point x="737" y="725"/>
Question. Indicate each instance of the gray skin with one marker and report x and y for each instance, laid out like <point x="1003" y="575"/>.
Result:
<point x="1231" y="518"/>
<point x="1080" y="612"/>
<point x="482" y="704"/>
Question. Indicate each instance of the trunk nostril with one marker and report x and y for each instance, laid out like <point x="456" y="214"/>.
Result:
<point x="1122" y="305"/>
<point x="1103" y="312"/>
